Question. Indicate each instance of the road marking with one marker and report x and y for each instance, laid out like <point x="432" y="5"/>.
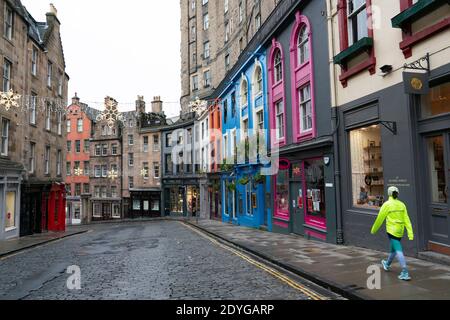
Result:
<point x="311" y="294"/>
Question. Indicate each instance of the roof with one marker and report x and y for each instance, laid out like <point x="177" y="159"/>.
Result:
<point x="37" y="31"/>
<point x="91" y="113"/>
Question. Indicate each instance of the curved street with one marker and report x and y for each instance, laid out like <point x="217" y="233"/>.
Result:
<point x="131" y="261"/>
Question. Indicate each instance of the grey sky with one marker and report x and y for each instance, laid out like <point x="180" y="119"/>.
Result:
<point x="121" y="49"/>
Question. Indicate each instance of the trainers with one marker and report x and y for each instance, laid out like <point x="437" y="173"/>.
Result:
<point x="404" y="276"/>
<point x="386" y="266"/>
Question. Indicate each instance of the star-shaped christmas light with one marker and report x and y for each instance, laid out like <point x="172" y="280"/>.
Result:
<point x="113" y="174"/>
<point x="78" y="172"/>
<point x="198" y="106"/>
<point x="111" y="113"/>
<point x="144" y="172"/>
<point x="297" y="171"/>
<point x="9" y="100"/>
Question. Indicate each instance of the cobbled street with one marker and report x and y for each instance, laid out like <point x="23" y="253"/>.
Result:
<point x="156" y="260"/>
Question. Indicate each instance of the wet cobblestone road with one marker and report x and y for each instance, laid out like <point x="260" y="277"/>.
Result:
<point x="155" y="260"/>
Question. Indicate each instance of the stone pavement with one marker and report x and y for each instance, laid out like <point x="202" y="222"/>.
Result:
<point x="343" y="269"/>
<point x="12" y="246"/>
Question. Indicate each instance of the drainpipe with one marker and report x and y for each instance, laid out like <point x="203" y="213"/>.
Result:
<point x="335" y="124"/>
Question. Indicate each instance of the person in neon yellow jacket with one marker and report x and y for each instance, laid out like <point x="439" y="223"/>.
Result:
<point x="397" y="220"/>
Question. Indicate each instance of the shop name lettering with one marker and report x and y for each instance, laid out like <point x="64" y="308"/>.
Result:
<point x="399" y="182"/>
<point x="226" y="310"/>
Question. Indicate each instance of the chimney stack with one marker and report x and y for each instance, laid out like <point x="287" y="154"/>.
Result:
<point x="157" y="105"/>
<point x="76" y="99"/>
<point x="52" y="17"/>
<point x="140" y="104"/>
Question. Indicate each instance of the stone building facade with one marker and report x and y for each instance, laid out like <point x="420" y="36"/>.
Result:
<point x="32" y="192"/>
<point x="213" y="36"/>
<point x="141" y="141"/>
<point x="106" y="163"/>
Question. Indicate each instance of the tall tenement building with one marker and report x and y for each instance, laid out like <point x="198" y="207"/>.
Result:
<point x="213" y="35"/>
<point x="32" y="126"/>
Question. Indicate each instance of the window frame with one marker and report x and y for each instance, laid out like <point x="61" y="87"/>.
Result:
<point x="8" y="25"/>
<point x="7" y="68"/>
<point x="277" y="92"/>
<point x="367" y="64"/>
<point x="4" y="151"/>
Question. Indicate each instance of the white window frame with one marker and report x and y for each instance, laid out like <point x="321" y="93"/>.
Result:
<point x="8" y="25"/>
<point x="33" y="105"/>
<point x="48" y="115"/>
<point x="278" y="116"/>
<point x="59" y="163"/>
<point x="59" y="116"/>
<point x="49" y="74"/>
<point x="303" y="105"/>
<point x="244" y="92"/>
<point x="32" y="158"/>
<point x="278" y="67"/>
<point x="206" y="21"/>
<point x="4" y="147"/>
<point x="34" y="61"/>
<point x="47" y="160"/>
<point x="80" y="125"/>
<point x="303" y="54"/>
<point x="60" y="83"/>
<point x="350" y="18"/>
<point x="7" y="70"/>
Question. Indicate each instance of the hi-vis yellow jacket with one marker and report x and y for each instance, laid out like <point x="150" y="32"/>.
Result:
<point x="397" y="219"/>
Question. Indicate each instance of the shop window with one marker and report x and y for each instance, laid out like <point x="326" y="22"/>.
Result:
<point x="315" y="192"/>
<point x="282" y="193"/>
<point x="155" y="205"/>
<point x="367" y="167"/>
<point x="97" y="211"/>
<point x="193" y="200"/>
<point x="10" y="222"/>
<point x="77" y="212"/>
<point x="176" y="200"/>
<point x="437" y="102"/>
<point x="116" y="211"/>
<point x="137" y="205"/>
<point x="436" y="164"/>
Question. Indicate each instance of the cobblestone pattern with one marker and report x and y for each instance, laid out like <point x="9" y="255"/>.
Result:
<point x="158" y="260"/>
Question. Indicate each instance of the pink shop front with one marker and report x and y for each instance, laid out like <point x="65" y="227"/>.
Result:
<point x="304" y="198"/>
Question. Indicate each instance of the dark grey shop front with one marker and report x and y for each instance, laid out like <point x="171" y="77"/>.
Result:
<point x="393" y="138"/>
<point x="181" y="197"/>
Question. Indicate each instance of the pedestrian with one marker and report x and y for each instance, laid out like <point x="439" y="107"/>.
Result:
<point x="396" y="215"/>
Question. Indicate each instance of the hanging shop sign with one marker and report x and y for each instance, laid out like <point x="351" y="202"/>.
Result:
<point x="416" y="83"/>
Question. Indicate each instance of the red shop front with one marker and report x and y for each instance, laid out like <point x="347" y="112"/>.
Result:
<point x="55" y="201"/>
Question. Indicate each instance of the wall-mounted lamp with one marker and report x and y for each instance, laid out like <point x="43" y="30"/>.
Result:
<point x="387" y="68"/>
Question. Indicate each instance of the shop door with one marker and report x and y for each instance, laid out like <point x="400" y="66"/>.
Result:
<point x="438" y="153"/>
<point x="297" y="208"/>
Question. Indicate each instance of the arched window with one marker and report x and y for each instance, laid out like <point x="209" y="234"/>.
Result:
<point x="258" y="81"/>
<point x="244" y="92"/>
<point x="278" y="67"/>
<point x="303" y="46"/>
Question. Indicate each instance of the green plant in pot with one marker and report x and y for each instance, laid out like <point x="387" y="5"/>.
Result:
<point x="244" y="181"/>
<point x="231" y="186"/>
<point x="259" y="178"/>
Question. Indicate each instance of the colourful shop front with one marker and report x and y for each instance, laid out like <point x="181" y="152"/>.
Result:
<point x="304" y="196"/>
